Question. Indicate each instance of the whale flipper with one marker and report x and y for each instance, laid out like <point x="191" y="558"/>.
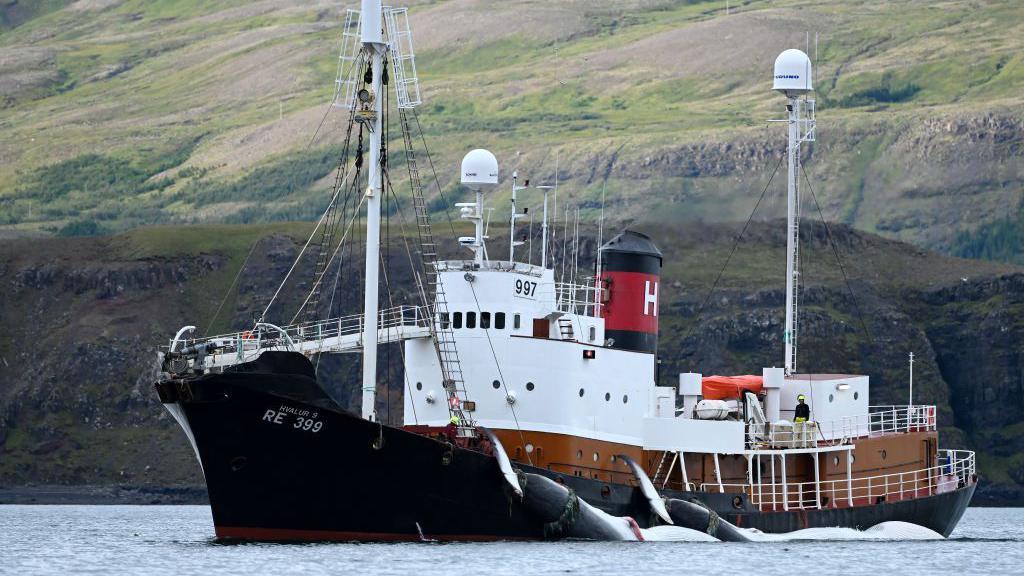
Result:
<point x="648" y="490"/>
<point x="504" y="464"/>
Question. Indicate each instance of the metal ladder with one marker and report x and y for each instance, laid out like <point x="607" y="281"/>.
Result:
<point x="565" y="328"/>
<point x="432" y="291"/>
<point x="662" y="473"/>
<point x="348" y="56"/>
<point x="403" y="57"/>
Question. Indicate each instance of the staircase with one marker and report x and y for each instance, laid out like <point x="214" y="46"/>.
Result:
<point x="432" y="291"/>
<point x="565" y="329"/>
<point x="663" y="472"/>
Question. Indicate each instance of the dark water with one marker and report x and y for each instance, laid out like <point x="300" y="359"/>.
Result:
<point x="155" y="540"/>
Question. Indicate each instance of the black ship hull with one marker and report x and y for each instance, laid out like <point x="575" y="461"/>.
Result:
<point x="283" y="462"/>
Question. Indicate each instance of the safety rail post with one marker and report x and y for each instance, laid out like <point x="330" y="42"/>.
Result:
<point x="785" y="491"/>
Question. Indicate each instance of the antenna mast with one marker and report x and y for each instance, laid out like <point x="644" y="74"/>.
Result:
<point x="515" y="216"/>
<point x="793" y="79"/>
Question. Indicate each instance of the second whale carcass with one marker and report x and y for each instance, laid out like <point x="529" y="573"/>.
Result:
<point x="566" y="515"/>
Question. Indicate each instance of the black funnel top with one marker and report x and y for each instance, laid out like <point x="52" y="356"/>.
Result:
<point x="630" y="242"/>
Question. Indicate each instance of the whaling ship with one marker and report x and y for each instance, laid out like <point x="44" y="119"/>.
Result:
<point x="531" y="407"/>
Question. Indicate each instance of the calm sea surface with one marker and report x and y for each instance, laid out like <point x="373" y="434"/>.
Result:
<point x="155" y="540"/>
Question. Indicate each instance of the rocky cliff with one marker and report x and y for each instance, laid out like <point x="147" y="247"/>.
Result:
<point x="82" y="320"/>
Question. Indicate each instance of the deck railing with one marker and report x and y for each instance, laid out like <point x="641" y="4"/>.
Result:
<point x="578" y="298"/>
<point x="334" y="335"/>
<point x="954" y="469"/>
<point x="878" y="421"/>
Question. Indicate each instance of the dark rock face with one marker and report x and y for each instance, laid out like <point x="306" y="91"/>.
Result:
<point x="77" y="360"/>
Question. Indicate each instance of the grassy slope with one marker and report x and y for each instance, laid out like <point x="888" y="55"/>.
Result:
<point x="661" y="102"/>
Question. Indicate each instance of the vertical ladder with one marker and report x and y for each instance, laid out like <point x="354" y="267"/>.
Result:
<point x="432" y="290"/>
<point x="348" y="56"/>
<point x="403" y="58"/>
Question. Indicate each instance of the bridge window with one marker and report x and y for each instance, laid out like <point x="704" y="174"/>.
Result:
<point x="470" y="319"/>
<point x="499" y="321"/>
<point x="515" y="321"/>
<point x="457" y="320"/>
<point x="445" y="321"/>
<point x="485" y="320"/>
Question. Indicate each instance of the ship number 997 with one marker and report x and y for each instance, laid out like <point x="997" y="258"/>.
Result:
<point x="526" y="288"/>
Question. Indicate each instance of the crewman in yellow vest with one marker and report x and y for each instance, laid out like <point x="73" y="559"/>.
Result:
<point x="802" y="413"/>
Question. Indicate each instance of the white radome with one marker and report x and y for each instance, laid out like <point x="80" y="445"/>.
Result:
<point x="479" y="169"/>
<point x="793" y="73"/>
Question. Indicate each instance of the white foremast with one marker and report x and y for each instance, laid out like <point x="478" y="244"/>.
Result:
<point x="374" y="45"/>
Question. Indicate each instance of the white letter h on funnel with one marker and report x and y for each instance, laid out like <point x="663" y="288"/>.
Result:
<point x="650" y="298"/>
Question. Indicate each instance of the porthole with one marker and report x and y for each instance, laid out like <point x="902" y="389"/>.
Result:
<point x="835" y="461"/>
<point x="831" y="397"/>
<point x="529" y="448"/>
<point x="419" y="385"/>
<point x="596" y="456"/>
<point x="737" y="503"/>
<point x="884" y="454"/>
<point x="606" y="491"/>
<point x="607" y="396"/>
<point x="856" y="395"/>
<point x="529" y="386"/>
<point x="579" y="454"/>
<point x="581" y="392"/>
<point x="614" y="459"/>
<point x="625" y="398"/>
<point x="853" y="457"/>
<point x="496" y="384"/>
<point x="515" y="322"/>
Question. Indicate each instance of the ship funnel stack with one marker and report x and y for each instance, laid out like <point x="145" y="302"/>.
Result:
<point x="480" y="174"/>
<point x="630" y="278"/>
<point x="793" y="79"/>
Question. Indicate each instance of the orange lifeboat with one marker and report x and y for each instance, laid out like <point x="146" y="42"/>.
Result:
<point x="725" y="387"/>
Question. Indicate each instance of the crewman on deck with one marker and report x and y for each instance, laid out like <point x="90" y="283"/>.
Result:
<point x="802" y="413"/>
<point x="452" y="428"/>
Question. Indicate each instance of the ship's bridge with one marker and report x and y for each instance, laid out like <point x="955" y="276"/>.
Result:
<point x="522" y="298"/>
<point x="534" y="356"/>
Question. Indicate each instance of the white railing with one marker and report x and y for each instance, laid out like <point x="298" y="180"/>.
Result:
<point x="580" y="299"/>
<point x="880" y="420"/>
<point x="494" y="265"/>
<point x="954" y="469"/>
<point x="340" y="334"/>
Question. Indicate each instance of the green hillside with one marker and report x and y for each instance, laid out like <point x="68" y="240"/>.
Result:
<point x="117" y="113"/>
